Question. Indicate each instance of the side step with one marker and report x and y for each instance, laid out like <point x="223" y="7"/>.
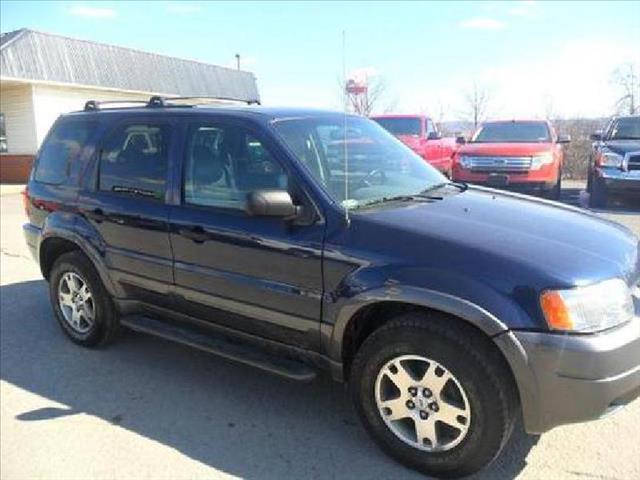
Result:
<point x="223" y="346"/>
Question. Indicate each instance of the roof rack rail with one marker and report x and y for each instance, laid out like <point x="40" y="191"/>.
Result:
<point x="157" y="101"/>
<point x="93" y="105"/>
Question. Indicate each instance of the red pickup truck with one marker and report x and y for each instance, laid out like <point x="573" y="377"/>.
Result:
<point x="421" y="135"/>
<point x="523" y="155"/>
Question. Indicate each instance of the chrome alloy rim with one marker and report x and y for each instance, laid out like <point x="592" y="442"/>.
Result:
<point x="76" y="302"/>
<point x="422" y="403"/>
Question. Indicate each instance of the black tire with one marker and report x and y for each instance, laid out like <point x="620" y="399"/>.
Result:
<point x="598" y="195"/>
<point x="474" y="362"/>
<point x="106" y="325"/>
<point x="556" y="191"/>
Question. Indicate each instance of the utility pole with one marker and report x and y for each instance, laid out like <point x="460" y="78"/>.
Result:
<point x="238" y="60"/>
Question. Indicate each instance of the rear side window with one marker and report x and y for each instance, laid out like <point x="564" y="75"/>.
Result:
<point x="133" y="161"/>
<point x="63" y="146"/>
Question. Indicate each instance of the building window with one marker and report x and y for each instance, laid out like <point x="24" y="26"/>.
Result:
<point x="134" y="162"/>
<point x="3" y="135"/>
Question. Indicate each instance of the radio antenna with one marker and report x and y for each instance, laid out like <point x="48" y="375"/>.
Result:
<point x="345" y="100"/>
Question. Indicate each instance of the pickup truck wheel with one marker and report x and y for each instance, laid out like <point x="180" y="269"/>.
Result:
<point x="82" y="305"/>
<point x="433" y="396"/>
<point x="598" y="195"/>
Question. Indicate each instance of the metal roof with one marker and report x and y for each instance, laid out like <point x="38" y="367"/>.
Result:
<point x="36" y="56"/>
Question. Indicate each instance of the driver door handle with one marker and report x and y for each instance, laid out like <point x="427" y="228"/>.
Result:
<point x="197" y="234"/>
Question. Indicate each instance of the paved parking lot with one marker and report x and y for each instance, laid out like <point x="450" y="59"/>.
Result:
<point x="145" y="408"/>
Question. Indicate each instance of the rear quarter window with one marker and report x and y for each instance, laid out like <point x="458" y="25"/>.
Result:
<point x="63" y="145"/>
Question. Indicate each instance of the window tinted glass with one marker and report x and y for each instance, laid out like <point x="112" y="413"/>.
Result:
<point x="63" y="145"/>
<point x="359" y="166"/>
<point x="133" y="161"/>
<point x="400" y="126"/>
<point x="224" y="163"/>
<point x="626" y="128"/>
<point x="519" y="132"/>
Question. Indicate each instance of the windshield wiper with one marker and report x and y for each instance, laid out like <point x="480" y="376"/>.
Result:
<point x="439" y="186"/>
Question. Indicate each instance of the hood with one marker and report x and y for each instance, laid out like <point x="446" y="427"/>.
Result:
<point x="505" y="149"/>
<point x="622" y="146"/>
<point x="412" y="141"/>
<point x="508" y="239"/>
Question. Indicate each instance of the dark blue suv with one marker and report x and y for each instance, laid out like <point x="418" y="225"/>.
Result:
<point x="298" y="240"/>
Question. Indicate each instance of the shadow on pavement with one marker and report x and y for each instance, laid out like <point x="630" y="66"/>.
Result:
<point x="617" y="205"/>
<point x="230" y="417"/>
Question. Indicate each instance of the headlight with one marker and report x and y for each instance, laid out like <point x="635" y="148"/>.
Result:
<point x="588" y="309"/>
<point x="465" y="161"/>
<point x="610" y="159"/>
<point x="537" y="161"/>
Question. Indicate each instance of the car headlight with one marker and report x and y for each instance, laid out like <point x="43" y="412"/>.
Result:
<point x="537" y="161"/>
<point x="588" y="309"/>
<point x="465" y="161"/>
<point x="610" y="159"/>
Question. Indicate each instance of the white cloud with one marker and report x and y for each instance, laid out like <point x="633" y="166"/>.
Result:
<point x="183" y="8"/>
<point x="483" y="24"/>
<point x="527" y="9"/>
<point x="362" y="74"/>
<point x="92" y="12"/>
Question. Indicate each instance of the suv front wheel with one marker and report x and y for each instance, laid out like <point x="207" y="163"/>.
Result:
<point x="433" y="395"/>
<point x="82" y="305"/>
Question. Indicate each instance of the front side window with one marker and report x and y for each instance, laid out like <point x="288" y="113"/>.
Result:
<point x="3" y="135"/>
<point x="400" y="125"/>
<point x="360" y="165"/>
<point x="63" y="145"/>
<point x="626" y="128"/>
<point x="430" y="126"/>
<point x="133" y="161"/>
<point x="224" y="163"/>
<point x="513" y="132"/>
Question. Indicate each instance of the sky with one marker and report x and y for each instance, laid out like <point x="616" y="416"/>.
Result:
<point x="533" y="58"/>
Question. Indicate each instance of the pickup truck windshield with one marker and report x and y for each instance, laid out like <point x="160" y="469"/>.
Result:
<point x="513" y="132"/>
<point x="627" y="128"/>
<point x="400" y="126"/>
<point x="363" y="165"/>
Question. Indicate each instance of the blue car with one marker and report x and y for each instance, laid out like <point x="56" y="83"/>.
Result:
<point x="297" y="241"/>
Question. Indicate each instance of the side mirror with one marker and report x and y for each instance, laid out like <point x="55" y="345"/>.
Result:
<point x="271" y="203"/>
<point x="461" y="140"/>
<point x="564" y="139"/>
<point x="434" y="136"/>
<point x="596" y="136"/>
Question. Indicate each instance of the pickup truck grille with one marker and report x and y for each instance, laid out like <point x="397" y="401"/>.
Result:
<point x="500" y="164"/>
<point x="634" y="161"/>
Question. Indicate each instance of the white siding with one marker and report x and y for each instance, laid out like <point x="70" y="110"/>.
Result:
<point x="16" y="102"/>
<point x="51" y="101"/>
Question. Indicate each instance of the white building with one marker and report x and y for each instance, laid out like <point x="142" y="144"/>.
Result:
<point x="43" y="75"/>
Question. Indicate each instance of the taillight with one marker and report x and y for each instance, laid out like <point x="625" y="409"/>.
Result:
<point x="26" y="202"/>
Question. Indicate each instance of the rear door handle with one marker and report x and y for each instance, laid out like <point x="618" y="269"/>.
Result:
<point x="196" y="234"/>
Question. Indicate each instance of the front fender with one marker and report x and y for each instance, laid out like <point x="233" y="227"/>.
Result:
<point x="422" y="297"/>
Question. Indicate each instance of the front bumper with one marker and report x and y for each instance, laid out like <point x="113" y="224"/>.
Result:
<point x="616" y="180"/>
<point x="575" y="378"/>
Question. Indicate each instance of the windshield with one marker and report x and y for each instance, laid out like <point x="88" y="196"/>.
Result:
<point x="377" y="166"/>
<point x="627" y="128"/>
<point x="400" y="126"/>
<point x="513" y="132"/>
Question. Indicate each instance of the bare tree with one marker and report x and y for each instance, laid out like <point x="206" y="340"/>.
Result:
<point x="627" y="78"/>
<point x="373" y="99"/>
<point x="477" y="102"/>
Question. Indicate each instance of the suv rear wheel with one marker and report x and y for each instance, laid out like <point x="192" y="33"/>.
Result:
<point x="82" y="305"/>
<point x="433" y="396"/>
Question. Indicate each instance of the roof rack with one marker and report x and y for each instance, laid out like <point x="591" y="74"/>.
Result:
<point x="158" y="101"/>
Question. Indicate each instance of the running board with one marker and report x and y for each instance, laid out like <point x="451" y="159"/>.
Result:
<point x="224" y="346"/>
